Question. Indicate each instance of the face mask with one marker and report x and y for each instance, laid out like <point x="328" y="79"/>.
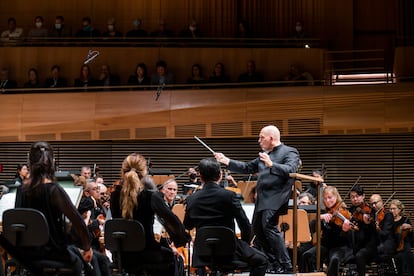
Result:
<point x="38" y="24"/>
<point x="193" y="176"/>
<point x="192" y="28"/>
<point x="87" y="28"/>
<point x="298" y="28"/>
<point x="137" y="23"/>
<point x="58" y="26"/>
<point x="111" y="28"/>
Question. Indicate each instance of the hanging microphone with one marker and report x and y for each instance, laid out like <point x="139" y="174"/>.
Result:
<point x="159" y="90"/>
<point x="92" y="54"/>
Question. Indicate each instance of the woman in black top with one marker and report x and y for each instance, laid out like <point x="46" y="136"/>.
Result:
<point x="45" y="195"/>
<point x="137" y="198"/>
<point x="21" y="174"/>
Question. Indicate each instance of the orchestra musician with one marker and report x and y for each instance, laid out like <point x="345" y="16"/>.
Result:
<point x="364" y="239"/>
<point x="403" y="234"/>
<point x="384" y="224"/>
<point x="169" y="192"/>
<point x="137" y="198"/>
<point x="335" y="240"/>
<point x="215" y="206"/>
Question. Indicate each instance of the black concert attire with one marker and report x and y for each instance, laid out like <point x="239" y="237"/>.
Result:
<point x="335" y="249"/>
<point x="52" y="200"/>
<point x="274" y="188"/>
<point x="385" y="234"/>
<point x="213" y="206"/>
<point x="402" y="239"/>
<point x="363" y="240"/>
<point x="150" y="202"/>
<point x="56" y="83"/>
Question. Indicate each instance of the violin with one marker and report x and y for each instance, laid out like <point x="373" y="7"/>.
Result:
<point x="379" y="216"/>
<point x="340" y="214"/>
<point x="360" y="211"/>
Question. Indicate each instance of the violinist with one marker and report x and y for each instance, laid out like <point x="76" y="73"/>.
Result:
<point x="403" y="234"/>
<point x="335" y="241"/>
<point x="364" y="239"/>
<point x="384" y="224"/>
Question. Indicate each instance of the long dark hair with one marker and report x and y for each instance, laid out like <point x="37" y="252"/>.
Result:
<point x="41" y="164"/>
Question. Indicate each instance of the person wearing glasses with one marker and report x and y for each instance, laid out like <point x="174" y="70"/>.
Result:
<point x="384" y="226"/>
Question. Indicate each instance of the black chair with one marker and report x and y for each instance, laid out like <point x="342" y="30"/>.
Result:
<point x="25" y="228"/>
<point x="128" y="236"/>
<point x="216" y="246"/>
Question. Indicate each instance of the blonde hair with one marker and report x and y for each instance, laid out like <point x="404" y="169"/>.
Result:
<point x="399" y="205"/>
<point x="134" y="168"/>
<point x="334" y="191"/>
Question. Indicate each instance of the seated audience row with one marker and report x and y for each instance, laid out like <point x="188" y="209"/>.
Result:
<point x="88" y="30"/>
<point x="141" y="77"/>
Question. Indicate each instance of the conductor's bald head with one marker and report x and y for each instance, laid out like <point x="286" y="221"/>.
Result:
<point x="209" y="170"/>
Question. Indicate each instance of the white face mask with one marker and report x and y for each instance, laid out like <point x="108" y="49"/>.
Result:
<point x="38" y="24"/>
<point x="58" y="26"/>
<point x="111" y="28"/>
<point x="298" y="28"/>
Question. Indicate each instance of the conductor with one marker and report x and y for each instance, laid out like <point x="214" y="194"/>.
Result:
<point x="274" y="187"/>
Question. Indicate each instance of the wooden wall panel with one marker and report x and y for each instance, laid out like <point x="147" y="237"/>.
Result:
<point x="300" y="110"/>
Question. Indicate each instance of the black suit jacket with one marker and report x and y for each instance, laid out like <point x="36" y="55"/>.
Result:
<point x="215" y="206"/>
<point x="274" y="186"/>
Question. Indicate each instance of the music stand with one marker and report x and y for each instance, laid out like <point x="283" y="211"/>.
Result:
<point x="318" y="220"/>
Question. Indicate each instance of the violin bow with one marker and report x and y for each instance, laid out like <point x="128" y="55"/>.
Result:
<point x="385" y="203"/>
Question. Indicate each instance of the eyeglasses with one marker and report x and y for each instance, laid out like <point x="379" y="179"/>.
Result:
<point x="375" y="202"/>
<point x="393" y="208"/>
<point x="94" y="188"/>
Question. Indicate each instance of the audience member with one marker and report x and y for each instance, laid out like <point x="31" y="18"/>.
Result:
<point x="106" y="78"/>
<point x="197" y="76"/>
<point x="111" y="30"/>
<point x="219" y="75"/>
<point x="33" y="81"/>
<point x="243" y="30"/>
<point x="296" y="77"/>
<point x="214" y="206"/>
<point x="87" y="29"/>
<point x="137" y="31"/>
<point x="137" y="198"/>
<point x="140" y="77"/>
<point x="162" y="76"/>
<point x="55" y="81"/>
<point x="13" y="32"/>
<point x="5" y="82"/>
<point x="162" y="30"/>
<point x="39" y="30"/>
<point x="192" y="31"/>
<point x="299" y="32"/>
<point x="45" y="195"/>
<point x="85" y="78"/>
<point x="251" y="75"/>
<point x="59" y="29"/>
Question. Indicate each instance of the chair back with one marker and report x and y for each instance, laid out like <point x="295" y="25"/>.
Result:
<point x="215" y="244"/>
<point x="25" y="227"/>
<point x="124" y="235"/>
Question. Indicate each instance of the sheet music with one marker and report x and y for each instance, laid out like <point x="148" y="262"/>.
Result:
<point x="7" y="200"/>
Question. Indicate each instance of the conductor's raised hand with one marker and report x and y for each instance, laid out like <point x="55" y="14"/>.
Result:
<point x="222" y="158"/>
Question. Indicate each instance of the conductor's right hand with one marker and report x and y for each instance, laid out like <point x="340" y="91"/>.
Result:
<point x="222" y="158"/>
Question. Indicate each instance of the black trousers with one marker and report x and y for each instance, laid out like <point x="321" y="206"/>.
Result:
<point x="269" y="239"/>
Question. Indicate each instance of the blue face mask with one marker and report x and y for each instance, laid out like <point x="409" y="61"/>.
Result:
<point x="87" y="28"/>
<point x="137" y="23"/>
